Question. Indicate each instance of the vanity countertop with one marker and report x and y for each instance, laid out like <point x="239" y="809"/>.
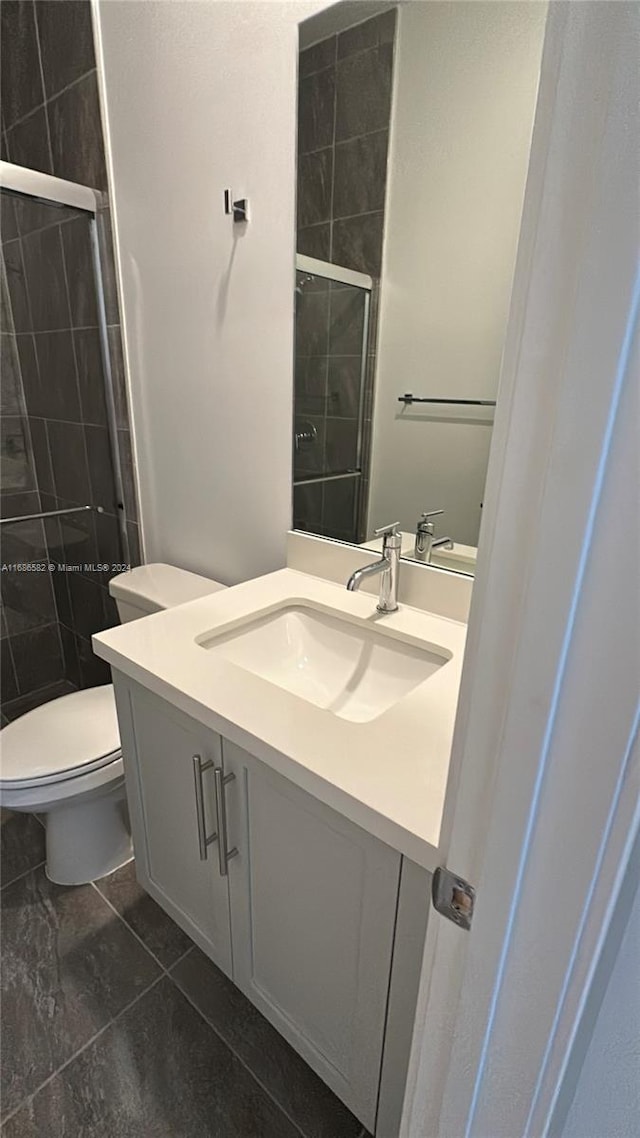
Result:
<point x="387" y="775"/>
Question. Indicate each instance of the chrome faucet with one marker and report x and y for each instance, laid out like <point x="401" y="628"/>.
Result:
<point x="425" y="541"/>
<point x="388" y="566"/>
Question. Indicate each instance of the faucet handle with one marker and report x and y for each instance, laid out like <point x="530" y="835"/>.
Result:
<point x="391" y="537"/>
<point x="431" y="513"/>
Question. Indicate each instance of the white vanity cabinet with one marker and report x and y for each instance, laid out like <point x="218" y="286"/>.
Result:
<point x="160" y="749"/>
<point x="313" y="903"/>
<point x="304" y="919"/>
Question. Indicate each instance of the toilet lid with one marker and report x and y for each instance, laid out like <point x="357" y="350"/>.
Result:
<point x="65" y="737"/>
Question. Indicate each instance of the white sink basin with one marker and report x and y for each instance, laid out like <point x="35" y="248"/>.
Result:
<point x="354" y="670"/>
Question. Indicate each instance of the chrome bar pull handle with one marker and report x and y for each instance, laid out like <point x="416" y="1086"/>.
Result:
<point x="204" y="839"/>
<point x="224" y="854"/>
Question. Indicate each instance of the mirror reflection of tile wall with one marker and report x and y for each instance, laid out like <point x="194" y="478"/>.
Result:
<point x="343" y="130"/>
<point x="330" y="372"/>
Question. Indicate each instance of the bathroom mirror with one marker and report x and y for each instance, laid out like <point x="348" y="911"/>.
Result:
<point x="414" y="133"/>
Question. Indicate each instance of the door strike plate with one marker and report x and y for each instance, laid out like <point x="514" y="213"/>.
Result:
<point x="453" y="897"/>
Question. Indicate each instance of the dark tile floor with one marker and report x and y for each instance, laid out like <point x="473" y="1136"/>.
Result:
<point x="114" y="1025"/>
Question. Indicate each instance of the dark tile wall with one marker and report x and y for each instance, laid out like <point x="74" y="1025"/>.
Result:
<point x="345" y="85"/>
<point x="31" y="645"/>
<point x="50" y="108"/>
<point x="58" y="444"/>
<point x="344" y="107"/>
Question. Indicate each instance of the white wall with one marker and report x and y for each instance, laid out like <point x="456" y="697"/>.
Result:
<point x="200" y="97"/>
<point x="466" y="78"/>
<point x="607" y="1097"/>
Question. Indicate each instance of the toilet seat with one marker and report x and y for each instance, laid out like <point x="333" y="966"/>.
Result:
<point x="60" y="740"/>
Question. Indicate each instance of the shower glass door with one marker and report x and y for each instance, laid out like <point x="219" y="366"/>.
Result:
<point x="330" y="404"/>
<point x="56" y="455"/>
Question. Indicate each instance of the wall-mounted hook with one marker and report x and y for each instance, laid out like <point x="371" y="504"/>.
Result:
<point x="238" y="209"/>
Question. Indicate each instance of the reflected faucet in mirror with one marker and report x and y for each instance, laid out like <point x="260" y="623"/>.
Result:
<point x="414" y="133"/>
<point x="425" y="540"/>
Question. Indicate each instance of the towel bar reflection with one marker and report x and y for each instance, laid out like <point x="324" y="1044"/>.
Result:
<point x="409" y="398"/>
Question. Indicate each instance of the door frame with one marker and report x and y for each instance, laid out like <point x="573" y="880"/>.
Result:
<point x="571" y="331"/>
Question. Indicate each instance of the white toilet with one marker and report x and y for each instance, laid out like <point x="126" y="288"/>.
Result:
<point x="63" y="759"/>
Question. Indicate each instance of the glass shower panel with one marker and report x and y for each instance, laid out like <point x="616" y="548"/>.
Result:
<point x="55" y="455"/>
<point x="330" y="367"/>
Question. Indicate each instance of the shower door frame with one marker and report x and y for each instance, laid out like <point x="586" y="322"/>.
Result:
<point x="329" y="271"/>
<point x="57" y="191"/>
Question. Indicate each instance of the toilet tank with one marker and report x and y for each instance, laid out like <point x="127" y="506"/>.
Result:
<point x="152" y="588"/>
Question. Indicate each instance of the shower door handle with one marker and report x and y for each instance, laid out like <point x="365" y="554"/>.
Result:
<point x="308" y="433"/>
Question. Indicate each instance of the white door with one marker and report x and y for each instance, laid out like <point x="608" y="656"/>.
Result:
<point x="542" y="805"/>
<point x="313" y="908"/>
<point x="172" y="803"/>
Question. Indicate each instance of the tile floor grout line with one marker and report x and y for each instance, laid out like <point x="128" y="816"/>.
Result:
<point x="29" y="1098"/>
<point x="132" y="931"/>
<point x="21" y="875"/>
<point x="167" y="973"/>
<point x="236" y="1056"/>
<point x="182" y="957"/>
<point x="164" y="972"/>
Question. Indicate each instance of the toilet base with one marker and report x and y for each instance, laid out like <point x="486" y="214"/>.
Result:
<point x="88" y="839"/>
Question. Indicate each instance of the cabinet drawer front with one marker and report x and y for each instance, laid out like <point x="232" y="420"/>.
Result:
<point x="160" y="773"/>
<point x="313" y="901"/>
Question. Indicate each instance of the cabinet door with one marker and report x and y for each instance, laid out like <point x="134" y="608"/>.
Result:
<point x="313" y="903"/>
<point x="159" y="745"/>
